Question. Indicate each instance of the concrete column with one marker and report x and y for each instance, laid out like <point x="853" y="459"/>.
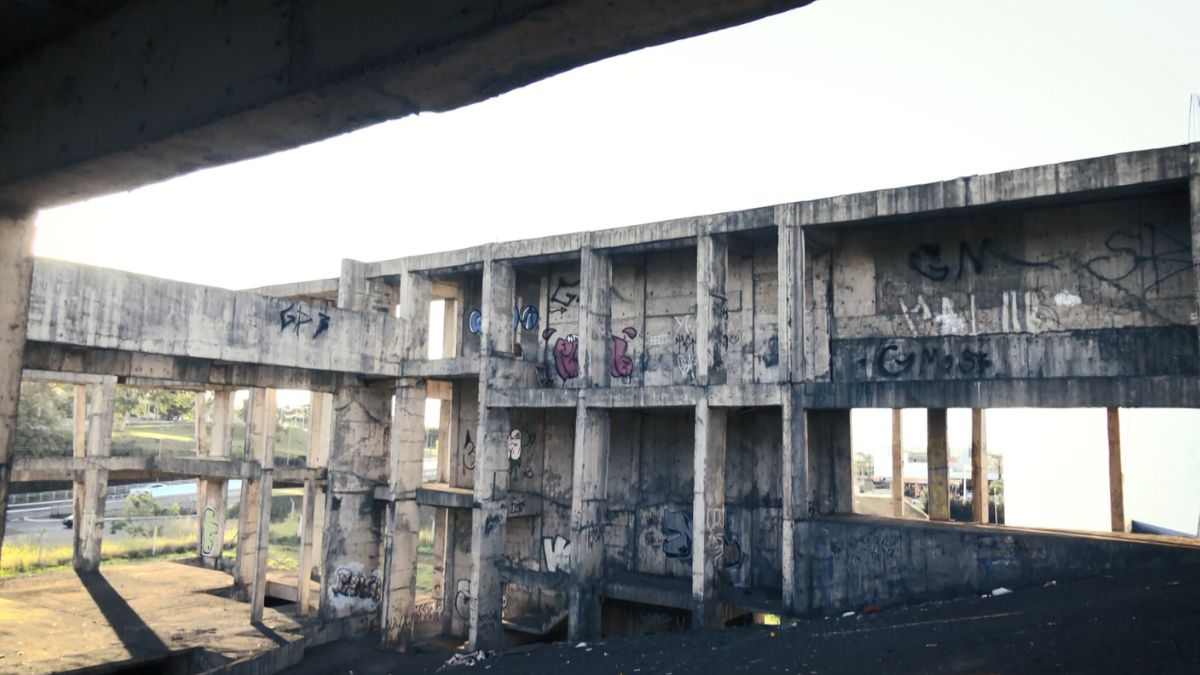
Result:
<point x="79" y="418"/>
<point x="795" y="511"/>
<point x="832" y="489"/>
<point x="89" y="494"/>
<point x="897" y="464"/>
<point x="939" y="474"/>
<point x="214" y="492"/>
<point x="979" y="480"/>
<point x="708" y="515"/>
<point x="320" y="418"/>
<point x="490" y="510"/>
<point x="16" y="270"/>
<point x="405" y="456"/>
<point x="595" y="317"/>
<point x="589" y="497"/>
<point x="712" y="260"/>
<point x="1116" y="478"/>
<point x="1194" y="189"/>
<point x="200" y="411"/>
<point x="254" y="514"/>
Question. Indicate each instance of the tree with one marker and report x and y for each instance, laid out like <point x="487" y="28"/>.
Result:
<point x="139" y="506"/>
<point x="42" y="409"/>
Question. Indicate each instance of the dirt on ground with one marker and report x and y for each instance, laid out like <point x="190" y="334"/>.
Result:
<point x="1139" y="621"/>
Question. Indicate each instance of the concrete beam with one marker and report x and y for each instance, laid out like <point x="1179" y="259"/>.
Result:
<point x="16" y="268"/>
<point x="589" y="502"/>
<point x="108" y="309"/>
<point x="708" y="515"/>
<point x="103" y="109"/>
<point x="939" y="475"/>
<point x="90" y="492"/>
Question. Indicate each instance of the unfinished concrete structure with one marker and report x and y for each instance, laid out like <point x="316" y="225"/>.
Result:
<point x="652" y="423"/>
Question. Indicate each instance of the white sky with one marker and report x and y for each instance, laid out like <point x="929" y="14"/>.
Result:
<point x="842" y="96"/>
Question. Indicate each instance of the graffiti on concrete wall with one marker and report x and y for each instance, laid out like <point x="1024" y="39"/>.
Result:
<point x="622" y="363"/>
<point x="566" y="354"/>
<point x="723" y="547"/>
<point x="350" y="587"/>
<point x="566" y="293"/>
<point x="526" y="318"/>
<point x="295" y="317"/>
<point x="208" y="535"/>
<point x="518" y="443"/>
<point x="556" y="553"/>
<point x="926" y="260"/>
<point x="462" y="599"/>
<point x="685" y="347"/>
<point x="468" y="454"/>
<point x="894" y="359"/>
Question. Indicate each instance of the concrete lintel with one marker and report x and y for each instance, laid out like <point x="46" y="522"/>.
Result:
<point x="325" y="289"/>
<point x="71" y="468"/>
<point x="1166" y="391"/>
<point x="455" y="368"/>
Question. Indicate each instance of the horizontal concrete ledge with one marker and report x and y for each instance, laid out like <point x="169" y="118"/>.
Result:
<point x="679" y="396"/>
<point x="456" y="368"/>
<point x="534" y="579"/>
<point x="1079" y="180"/>
<point x="649" y="589"/>
<point x="1074" y="392"/>
<point x="326" y="289"/>
<point x="441" y="495"/>
<point x="73" y="468"/>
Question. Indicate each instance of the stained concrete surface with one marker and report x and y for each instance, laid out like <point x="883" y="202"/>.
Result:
<point x="1132" y="621"/>
<point x="59" y="621"/>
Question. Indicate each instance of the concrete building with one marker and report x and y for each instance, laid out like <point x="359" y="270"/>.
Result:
<point x="657" y="418"/>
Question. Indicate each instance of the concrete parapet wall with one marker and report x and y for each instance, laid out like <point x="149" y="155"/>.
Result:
<point x="851" y="561"/>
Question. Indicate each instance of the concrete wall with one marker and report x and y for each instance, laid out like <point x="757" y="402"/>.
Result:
<point x="853" y="561"/>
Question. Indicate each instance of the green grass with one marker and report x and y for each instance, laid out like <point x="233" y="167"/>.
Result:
<point x="177" y="438"/>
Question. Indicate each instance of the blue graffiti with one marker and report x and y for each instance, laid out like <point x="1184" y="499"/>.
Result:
<point x="475" y="321"/>
<point x="522" y="318"/>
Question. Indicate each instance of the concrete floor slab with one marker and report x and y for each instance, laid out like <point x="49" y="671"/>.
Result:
<point x="58" y="621"/>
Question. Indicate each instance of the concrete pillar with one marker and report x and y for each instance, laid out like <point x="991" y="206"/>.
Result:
<point x="708" y="515"/>
<point x="213" y="493"/>
<point x="897" y="464"/>
<point x="1194" y="189"/>
<point x="490" y="510"/>
<point x="405" y="455"/>
<point x="16" y="270"/>
<point x="254" y="516"/>
<point x="938" y="462"/>
<point x="320" y="418"/>
<point x="79" y="418"/>
<point x="795" y="511"/>
<point x="795" y="461"/>
<point x="200" y="411"/>
<point x="589" y="498"/>
<point x="1116" y="479"/>
<point x="832" y="486"/>
<point x="979" y="479"/>
<point x="712" y="260"/>
<point x="595" y="317"/>
<point x="90" y="493"/>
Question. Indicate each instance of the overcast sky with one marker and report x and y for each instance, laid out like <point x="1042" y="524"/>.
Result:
<point x="841" y="96"/>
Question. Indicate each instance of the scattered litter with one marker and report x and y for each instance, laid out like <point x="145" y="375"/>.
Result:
<point x="871" y="609"/>
<point x="1050" y="583"/>
<point x="1172" y="583"/>
<point x="847" y="614"/>
<point x="930" y="644"/>
<point x="468" y="659"/>
<point x="581" y="645"/>
<point x="772" y="633"/>
<point x="1000" y="591"/>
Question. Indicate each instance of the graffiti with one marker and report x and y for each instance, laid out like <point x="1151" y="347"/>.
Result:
<point x="492" y="522"/>
<point x="686" y="363"/>
<point x="770" y="359"/>
<point x="294" y="316"/>
<point x="556" y="553"/>
<point x="565" y="294"/>
<point x="714" y="531"/>
<point x="349" y="585"/>
<point x="566" y="354"/>
<point x="894" y="361"/>
<point x="658" y="340"/>
<point x="731" y="555"/>
<point x="462" y="599"/>
<point x="468" y="454"/>
<point x="1024" y="312"/>
<point x="677" y="535"/>
<point x="522" y="318"/>
<point x="1162" y="256"/>
<point x="516" y="439"/>
<point x="926" y="260"/>
<point x="516" y="507"/>
<point x="622" y="363"/>
<point x="685" y="348"/>
<point x="208" y="540"/>
<point x="430" y="610"/>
